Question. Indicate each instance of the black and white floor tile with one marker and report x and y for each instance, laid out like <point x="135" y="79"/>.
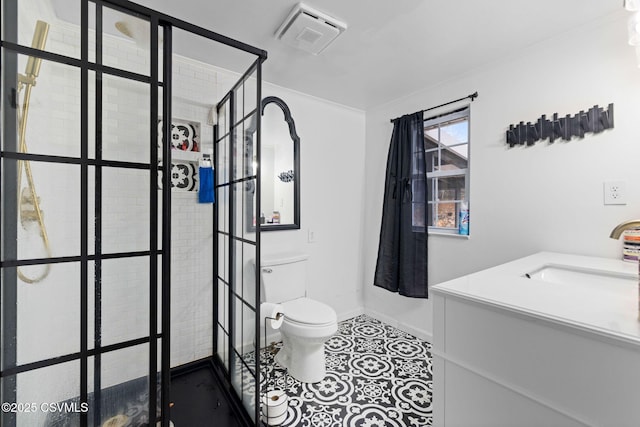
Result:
<point x="377" y="376"/>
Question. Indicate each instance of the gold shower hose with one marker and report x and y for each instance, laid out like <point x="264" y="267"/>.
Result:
<point x="28" y="196"/>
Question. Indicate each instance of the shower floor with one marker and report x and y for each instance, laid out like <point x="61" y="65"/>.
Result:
<point x="128" y="401"/>
<point x="199" y="400"/>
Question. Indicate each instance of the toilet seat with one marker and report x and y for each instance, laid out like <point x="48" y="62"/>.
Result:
<point x="305" y="311"/>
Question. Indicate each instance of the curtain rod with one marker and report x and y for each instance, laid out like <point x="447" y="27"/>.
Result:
<point x="471" y="97"/>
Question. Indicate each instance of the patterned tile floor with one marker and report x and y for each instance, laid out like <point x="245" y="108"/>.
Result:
<point x="377" y="376"/>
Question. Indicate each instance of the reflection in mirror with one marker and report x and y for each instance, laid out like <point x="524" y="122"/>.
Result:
<point x="279" y="168"/>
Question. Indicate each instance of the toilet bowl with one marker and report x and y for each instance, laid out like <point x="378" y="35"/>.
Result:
<point x="307" y="325"/>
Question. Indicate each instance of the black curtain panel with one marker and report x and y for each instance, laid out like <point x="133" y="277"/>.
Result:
<point x="402" y="252"/>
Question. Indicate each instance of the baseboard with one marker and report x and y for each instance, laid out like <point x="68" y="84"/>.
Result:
<point x="416" y="332"/>
<point x="351" y="314"/>
<point x="382" y="317"/>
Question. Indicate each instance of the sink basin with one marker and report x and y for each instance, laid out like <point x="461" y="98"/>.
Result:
<point x="571" y="275"/>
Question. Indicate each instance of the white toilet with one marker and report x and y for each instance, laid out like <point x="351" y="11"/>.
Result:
<point x="307" y="325"/>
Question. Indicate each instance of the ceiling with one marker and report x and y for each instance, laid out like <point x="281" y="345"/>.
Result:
<point x="390" y="48"/>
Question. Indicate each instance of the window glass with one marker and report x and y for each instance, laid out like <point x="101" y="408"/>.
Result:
<point x="454" y="158"/>
<point x="447" y="160"/>
<point x="433" y="161"/>
<point x="454" y="133"/>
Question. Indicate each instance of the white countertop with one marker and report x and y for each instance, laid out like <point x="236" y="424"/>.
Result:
<point x="611" y="311"/>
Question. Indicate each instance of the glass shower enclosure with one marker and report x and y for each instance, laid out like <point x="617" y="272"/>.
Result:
<point x="237" y="237"/>
<point x="86" y="216"/>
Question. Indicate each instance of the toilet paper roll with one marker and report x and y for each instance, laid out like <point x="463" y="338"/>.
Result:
<point x="268" y="309"/>
<point x="274" y="421"/>
<point x="274" y="404"/>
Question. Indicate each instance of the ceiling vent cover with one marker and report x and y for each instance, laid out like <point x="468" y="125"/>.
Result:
<point x="309" y="30"/>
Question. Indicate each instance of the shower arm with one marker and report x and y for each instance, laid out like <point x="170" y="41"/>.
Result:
<point x="26" y="82"/>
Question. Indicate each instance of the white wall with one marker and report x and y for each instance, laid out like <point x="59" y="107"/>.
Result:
<point x="332" y="147"/>
<point x="523" y="200"/>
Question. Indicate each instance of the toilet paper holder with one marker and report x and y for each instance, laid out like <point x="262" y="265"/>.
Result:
<point x="265" y="412"/>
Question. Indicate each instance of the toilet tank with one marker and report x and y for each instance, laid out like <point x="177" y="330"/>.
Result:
<point x="283" y="276"/>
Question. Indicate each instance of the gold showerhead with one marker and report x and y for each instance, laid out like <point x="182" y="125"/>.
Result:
<point x="39" y="41"/>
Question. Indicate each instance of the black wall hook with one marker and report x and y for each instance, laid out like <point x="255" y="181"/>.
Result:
<point x="595" y="120"/>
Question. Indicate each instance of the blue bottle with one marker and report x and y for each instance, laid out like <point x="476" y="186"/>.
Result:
<point x="463" y="220"/>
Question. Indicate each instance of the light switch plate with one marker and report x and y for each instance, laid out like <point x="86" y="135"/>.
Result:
<point x="615" y="192"/>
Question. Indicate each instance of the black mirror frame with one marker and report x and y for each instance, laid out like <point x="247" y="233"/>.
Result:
<point x="296" y="166"/>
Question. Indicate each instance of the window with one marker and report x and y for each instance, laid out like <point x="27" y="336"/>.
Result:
<point x="446" y="143"/>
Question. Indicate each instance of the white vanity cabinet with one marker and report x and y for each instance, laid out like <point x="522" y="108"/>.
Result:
<point x="513" y="351"/>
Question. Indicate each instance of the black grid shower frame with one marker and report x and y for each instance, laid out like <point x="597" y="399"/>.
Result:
<point x="8" y="352"/>
<point x="10" y="51"/>
<point x="98" y="164"/>
<point x="220" y="134"/>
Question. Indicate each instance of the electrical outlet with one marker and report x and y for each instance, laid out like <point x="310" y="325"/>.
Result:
<point x="615" y="193"/>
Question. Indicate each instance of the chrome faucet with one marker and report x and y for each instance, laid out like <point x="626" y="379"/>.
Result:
<point x="617" y="232"/>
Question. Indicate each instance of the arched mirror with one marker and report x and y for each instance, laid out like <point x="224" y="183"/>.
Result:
<point x="279" y="168"/>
